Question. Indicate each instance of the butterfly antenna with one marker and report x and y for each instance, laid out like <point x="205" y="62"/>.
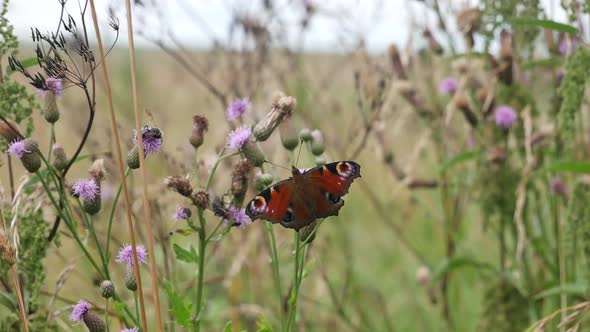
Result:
<point x="299" y="153"/>
<point x="266" y="161"/>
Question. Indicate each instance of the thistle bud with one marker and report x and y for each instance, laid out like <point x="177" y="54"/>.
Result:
<point x="262" y="181"/>
<point x="94" y="323"/>
<point x="253" y="153"/>
<point x="179" y="184"/>
<point x="282" y="106"/>
<point x="200" y="126"/>
<point x="60" y="161"/>
<point x="7" y="250"/>
<point x="97" y="170"/>
<point x="130" y="281"/>
<point x="133" y="157"/>
<point x="239" y="182"/>
<point x="317" y="143"/>
<point x="200" y="199"/>
<point x="288" y="134"/>
<point x="107" y="289"/>
<point x="305" y="135"/>
<point x="29" y="155"/>
<point x="396" y="62"/>
<point x="51" y="112"/>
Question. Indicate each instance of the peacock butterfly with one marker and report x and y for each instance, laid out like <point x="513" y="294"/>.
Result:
<point x="306" y="196"/>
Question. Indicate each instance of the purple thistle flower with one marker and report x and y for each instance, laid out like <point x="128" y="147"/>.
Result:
<point x="181" y="213"/>
<point x="17" y="148"/>
<point x="80" y="310"/>
<point x="237" y="217"/>
<point x="87" y="189"/>
<point x="448" y="86"/>
<point x="126" y="255"/>
<point x="238" y="108"/>
<point x="152" y="139"/>
<point x="238" y="137"/>
<point x="54" y="85"/>
<point x="505" y="116"/>
<point x="133" y="329"/>
<point x="567" y="46"/>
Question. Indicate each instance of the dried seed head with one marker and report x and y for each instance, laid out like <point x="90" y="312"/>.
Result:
<point x="317" y="143"/>
<point x="200" y="126"/>
<point x="9" y="130"/>
<point x="469" y="20"/>
<point x="97" y="170"/>
<point x="432" y="42"/>
<point x="180" y="184"/>
<point x="7" y="250"/>
<point x="219" y="209"/>
<point x="497" y="154"/>
<point x="200" y="199"/>
<point x="282" y="106"/>
<point x="396" y="62"/>
<point x="240" y="174"/>
<point x="51" y="111"/>
<point x="60" y="160"/>
<point x="107" y="289"/>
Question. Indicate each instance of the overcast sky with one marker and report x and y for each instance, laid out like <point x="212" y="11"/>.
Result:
<point x="194" y="22"/>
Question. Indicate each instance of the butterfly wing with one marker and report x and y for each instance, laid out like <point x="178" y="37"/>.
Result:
<point x="281" y="203"/>
<point x="313" y="194"/>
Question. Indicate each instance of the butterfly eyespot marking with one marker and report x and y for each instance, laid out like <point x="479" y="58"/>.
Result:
<point x="288" y="215"/>
<point x="258" y="205"/>
<point x="345" y="169"/>
<point x="334" y="199"/>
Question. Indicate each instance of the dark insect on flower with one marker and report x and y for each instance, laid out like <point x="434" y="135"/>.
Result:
<point x="151" y="133"/>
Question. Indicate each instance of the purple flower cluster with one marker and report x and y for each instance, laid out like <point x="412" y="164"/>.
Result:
<point x="566" y="47"/>
<point x="152" y="139"/>
<point x="79" y="310"/>
<point x="17" y="148"/>
<point x="86" y="189"/>
<point x="238" y="137"/>
<point x="237" y="109"/>
<point x="181" y="213"/>
<point x="237" y="217"/>
<point x="448" y="86"/>
<point x="505" y="116"/>
<point x="126" y="255"/>
<point x="54" y="86"/>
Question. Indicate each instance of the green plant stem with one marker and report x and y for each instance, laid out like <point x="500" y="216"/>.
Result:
<point x="298" y="273"/>
<point x="214" y="168"/>
<point x="272" y="244"/>
<point x="106" y="315"/>
<point x="136" y="306"/>
<point x="202" y="248"/>
<point x="112" y="216"/>
<point x="105" y="263"/>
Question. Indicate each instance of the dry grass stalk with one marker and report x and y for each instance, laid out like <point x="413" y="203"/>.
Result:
<point x="146" y="205"/>
<point x="121" y="168"/>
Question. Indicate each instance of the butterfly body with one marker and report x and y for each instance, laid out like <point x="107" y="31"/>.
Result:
<point x="306" y="196"/>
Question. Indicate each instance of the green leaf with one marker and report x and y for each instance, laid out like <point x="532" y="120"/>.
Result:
<point x="567" y="166"/>
<point x="189" y="256"/>
<point x="179" y="310"/>
<point x="459" y="158"/>
<point x="8" y="301"/>
<point x="552" y="62"/>
<point x="457" y="262"/>
<point x="119" y="308"/>
<point x="547" y="24"/>
<point x="580" y="289"/>
<point x="227" y="327"/>
<point x="263" y="324"/>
